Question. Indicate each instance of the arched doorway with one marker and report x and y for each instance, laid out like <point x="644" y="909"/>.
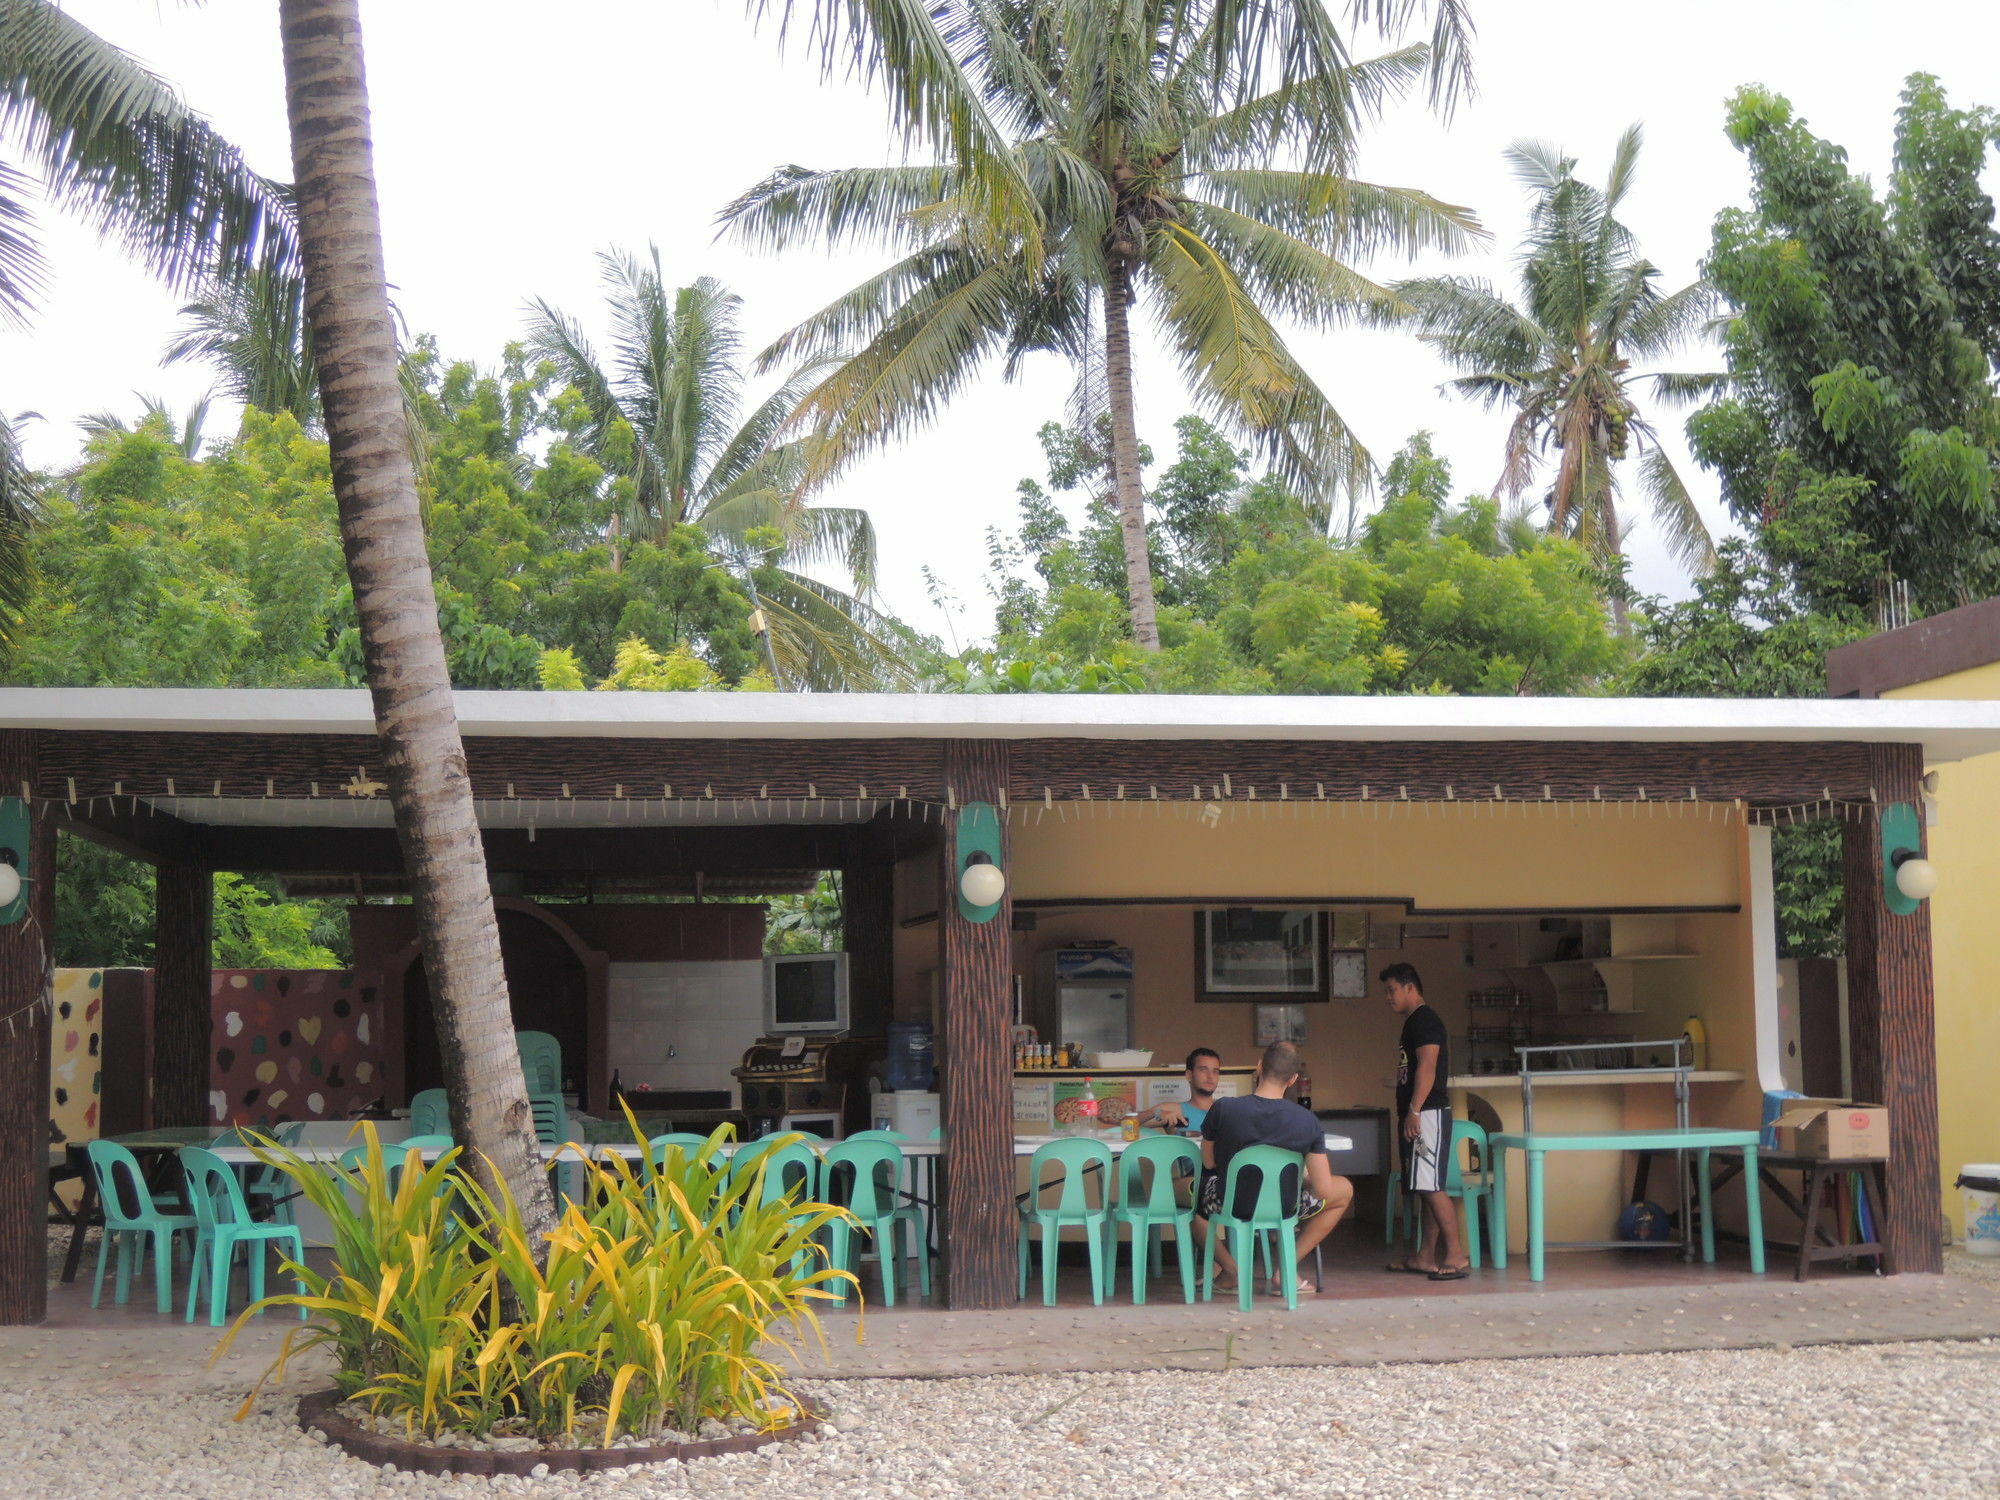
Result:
<point x="548" y="983"/>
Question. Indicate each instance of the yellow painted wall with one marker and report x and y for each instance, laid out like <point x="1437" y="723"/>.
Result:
<point x="75" y="1079"/>
<point x="1966" y="967"/>
<point x="1461" y="857"/>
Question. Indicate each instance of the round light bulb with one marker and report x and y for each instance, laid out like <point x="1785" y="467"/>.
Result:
<point x="1917" y="879"/>
<point x="982" y="884"/>
<point x="10" y="884"/>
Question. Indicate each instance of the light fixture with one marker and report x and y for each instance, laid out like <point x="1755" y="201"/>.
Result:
<point x="978" y="846"/>
<point x="981" y="882"/>
<point x="1908" y="879"/>
<point x="16" y="828"/>
<point x="10" y="884"/>
<point x="1916" y="877"/>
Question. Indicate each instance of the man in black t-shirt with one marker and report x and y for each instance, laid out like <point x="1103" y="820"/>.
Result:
<point x="1423" y="1115"/>
<point x="1267" y="1118"/>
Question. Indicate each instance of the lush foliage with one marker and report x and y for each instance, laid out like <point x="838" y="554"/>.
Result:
<point x="811" y="922"/>
<point x="1189" y="155"/>
<point x="1431" y="597"/>
<point x="1863" y="333"/>
<point x="646" y="1316"/>
<point x="1563" y="358"/>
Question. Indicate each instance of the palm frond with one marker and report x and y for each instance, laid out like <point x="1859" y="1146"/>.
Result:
<point x="556" y="337"/>
<point x="1624" y="164"/>
<point x="1684" y="388"/>
<point x="20" y="499"/>
<point x="1673" y="510"/>
<point x="828" y="640"/>
<point x="1539" y="165"/>
<point x="1284" y="273"/>
<point x="115" y="145"/>
<point x="23" y="272"/>
<point x="254" y="335"/>
<point x="1260" y="128"/>
<point x="1345" y="216"/>
<point x="856" y="317"/>
<point x="799" y="206"/>
<point x="1472" y="326"/>
<point x="1670" y="321"/>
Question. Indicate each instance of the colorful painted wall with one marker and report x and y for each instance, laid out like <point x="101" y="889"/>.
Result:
<point x="1967" y="856"/>
<point x="76" y="1078"/>
<point x="291" y="1044"/>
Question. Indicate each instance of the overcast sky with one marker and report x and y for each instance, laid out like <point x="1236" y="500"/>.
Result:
<point x="513" y="140"/>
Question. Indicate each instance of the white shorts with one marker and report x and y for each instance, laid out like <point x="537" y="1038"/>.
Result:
<point x="1427" y="1158"/>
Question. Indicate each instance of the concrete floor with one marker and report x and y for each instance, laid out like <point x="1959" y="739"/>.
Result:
<point x="1593" y="1302"/>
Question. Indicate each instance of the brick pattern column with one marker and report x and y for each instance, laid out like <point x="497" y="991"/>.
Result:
<point x="1891" y="1023"/>
<point x="26" y="953"/>
<point x="184" y="902"/>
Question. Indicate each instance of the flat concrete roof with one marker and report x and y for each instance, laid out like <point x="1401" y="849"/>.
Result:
<point x="1948" y="730"/>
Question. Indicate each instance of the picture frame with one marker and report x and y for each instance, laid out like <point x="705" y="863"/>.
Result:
<point x="1347" y="978"/>
<point x="1347" y="930"/>
<point x="1387" y="936"/>
<point x="1247" y="953"/>
<point x="1280" y="1023"/>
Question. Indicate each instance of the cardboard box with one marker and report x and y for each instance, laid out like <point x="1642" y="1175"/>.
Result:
<point x="1834" y="1129"/>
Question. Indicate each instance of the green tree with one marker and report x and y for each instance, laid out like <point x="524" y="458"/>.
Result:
<point x="810" y="922"/>
<point x="1862" y="336"/>
<point x="103" y="138"/>
<point x="1562" y="358"/>
<point x="665" y="419"/>
<point x="1430" y="597"/>
<point x="1193" y="153"/>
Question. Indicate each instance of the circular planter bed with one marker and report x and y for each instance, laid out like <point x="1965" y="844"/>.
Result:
<point x="317" y="1414"/>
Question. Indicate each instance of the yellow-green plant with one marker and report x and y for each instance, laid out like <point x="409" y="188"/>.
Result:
<point x="660" y="1288"/>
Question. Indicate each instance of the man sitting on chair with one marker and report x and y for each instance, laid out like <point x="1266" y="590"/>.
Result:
<point x="1204" y="1076"/>
<point x="1267" y="1118"/>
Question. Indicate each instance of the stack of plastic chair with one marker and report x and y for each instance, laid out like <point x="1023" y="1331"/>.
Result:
<point x="1078" y="1158"/>
<point x="224" y="1227"/>
<point x="865" y="1178"/>
<point x="131" y="1218"/>
<point x="1148" y="1204"/>
<point x="1277" y="1176"/>
<point x="541" y="1061"/>
<point x="430" y="1112"/>
<point x="551" y="1113"/>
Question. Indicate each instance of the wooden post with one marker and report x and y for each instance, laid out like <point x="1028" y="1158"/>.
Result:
<point x="868" y="932"/>
<point x="183" y="904"/>
<point x="975" y="970"/>
<point x="26" y="950"/>
<point x="1891" y="1026"/>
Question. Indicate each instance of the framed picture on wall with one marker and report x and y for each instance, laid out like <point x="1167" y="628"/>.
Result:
<point x="1280" y="1023"/>
<point x="1349" y="930"/>
<point x="1257" y="953"/>
<point x="1349" y="979"/>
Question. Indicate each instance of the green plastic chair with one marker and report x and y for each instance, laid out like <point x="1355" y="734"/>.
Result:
<point x="395" y="1155"/>
<point x="430" y="1112"/>
<point x="685" y="1142"/>
<point x="1471" y="1189"/>
<point x="224" y="1227"/>
<point x="864" y="1177"/>
<point x="541" y="1061"/>
<point x="1146" y="1201"/>
<point x="1076" y="1157"/>
<point x="1272" y="1212"/>
<point x="268" y="1191"/>
<point x="131" y="1218"/>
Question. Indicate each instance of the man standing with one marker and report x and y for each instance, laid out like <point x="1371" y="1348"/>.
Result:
<point x="1267" y="1118"/>
<point x="1423" y="1109"/>
<point x="1204" y="1076"/>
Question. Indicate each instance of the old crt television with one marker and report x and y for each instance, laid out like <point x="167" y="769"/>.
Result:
<point x="805" y="992"/>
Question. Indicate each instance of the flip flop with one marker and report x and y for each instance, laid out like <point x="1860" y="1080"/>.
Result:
<point x="1451" y="1273"/>
<point x="1405" y="1268"/>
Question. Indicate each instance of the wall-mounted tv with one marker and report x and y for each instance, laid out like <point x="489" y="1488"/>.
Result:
<point x="805" y="992"/>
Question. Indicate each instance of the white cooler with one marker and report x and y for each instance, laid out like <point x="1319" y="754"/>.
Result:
<point x="910" y="1114"/>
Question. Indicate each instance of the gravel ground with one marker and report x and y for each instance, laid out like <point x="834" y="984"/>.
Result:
<point x="1867" y="1421"/>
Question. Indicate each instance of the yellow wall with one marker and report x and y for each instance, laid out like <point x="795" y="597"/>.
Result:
<point x="1967" y="855"/>
<point x="1444" y="858"/>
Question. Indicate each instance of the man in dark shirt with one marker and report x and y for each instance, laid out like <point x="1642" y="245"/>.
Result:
<point x="1423" y="1111"/>
<point x="1267" y="1118"/>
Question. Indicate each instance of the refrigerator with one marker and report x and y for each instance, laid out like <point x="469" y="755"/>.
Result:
<point x="1088" y="997"/>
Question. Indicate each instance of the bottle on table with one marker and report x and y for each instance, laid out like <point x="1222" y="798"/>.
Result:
<point x="1086" y="1110"/>
<point x="1305" y="1088"/>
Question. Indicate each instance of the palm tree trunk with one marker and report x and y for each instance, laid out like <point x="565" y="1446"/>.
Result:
<point x="1125" y="486"/>
<point x="374" y="484"/>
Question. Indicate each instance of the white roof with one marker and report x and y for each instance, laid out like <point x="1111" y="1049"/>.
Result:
<point x="1947" y="729"/>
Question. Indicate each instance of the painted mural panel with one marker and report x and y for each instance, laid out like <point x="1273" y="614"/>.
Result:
<point x="291" y="1044"/>
<point x="76" y="1079"/>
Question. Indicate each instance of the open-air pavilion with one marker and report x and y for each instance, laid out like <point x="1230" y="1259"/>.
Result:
<point x="1636" y="831"/>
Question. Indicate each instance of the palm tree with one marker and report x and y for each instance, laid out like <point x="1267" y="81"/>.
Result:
<point x="101" y="137"/>
<point x="374" y="485"/>
<point x="665" y="417"/>
<point x="1098" y="153"/>
<point x="253" y="334"/>
<point x="1563" y="357"/>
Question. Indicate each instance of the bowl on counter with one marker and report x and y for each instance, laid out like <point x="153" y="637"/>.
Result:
<point x="1129" y="1058"/>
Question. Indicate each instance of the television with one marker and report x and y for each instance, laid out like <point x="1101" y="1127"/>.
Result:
<point x="805" y="992"/>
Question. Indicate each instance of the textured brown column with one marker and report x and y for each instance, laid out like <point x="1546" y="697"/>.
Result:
<point x="184" y="901"/>
<point x="974" y="979"/>
<point x="1891" y="1027"/>
<point x="24" y="1062"/>
<point x="868" y="920"/>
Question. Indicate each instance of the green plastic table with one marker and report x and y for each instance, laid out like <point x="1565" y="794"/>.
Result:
<point x="1699" y="1140"/>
